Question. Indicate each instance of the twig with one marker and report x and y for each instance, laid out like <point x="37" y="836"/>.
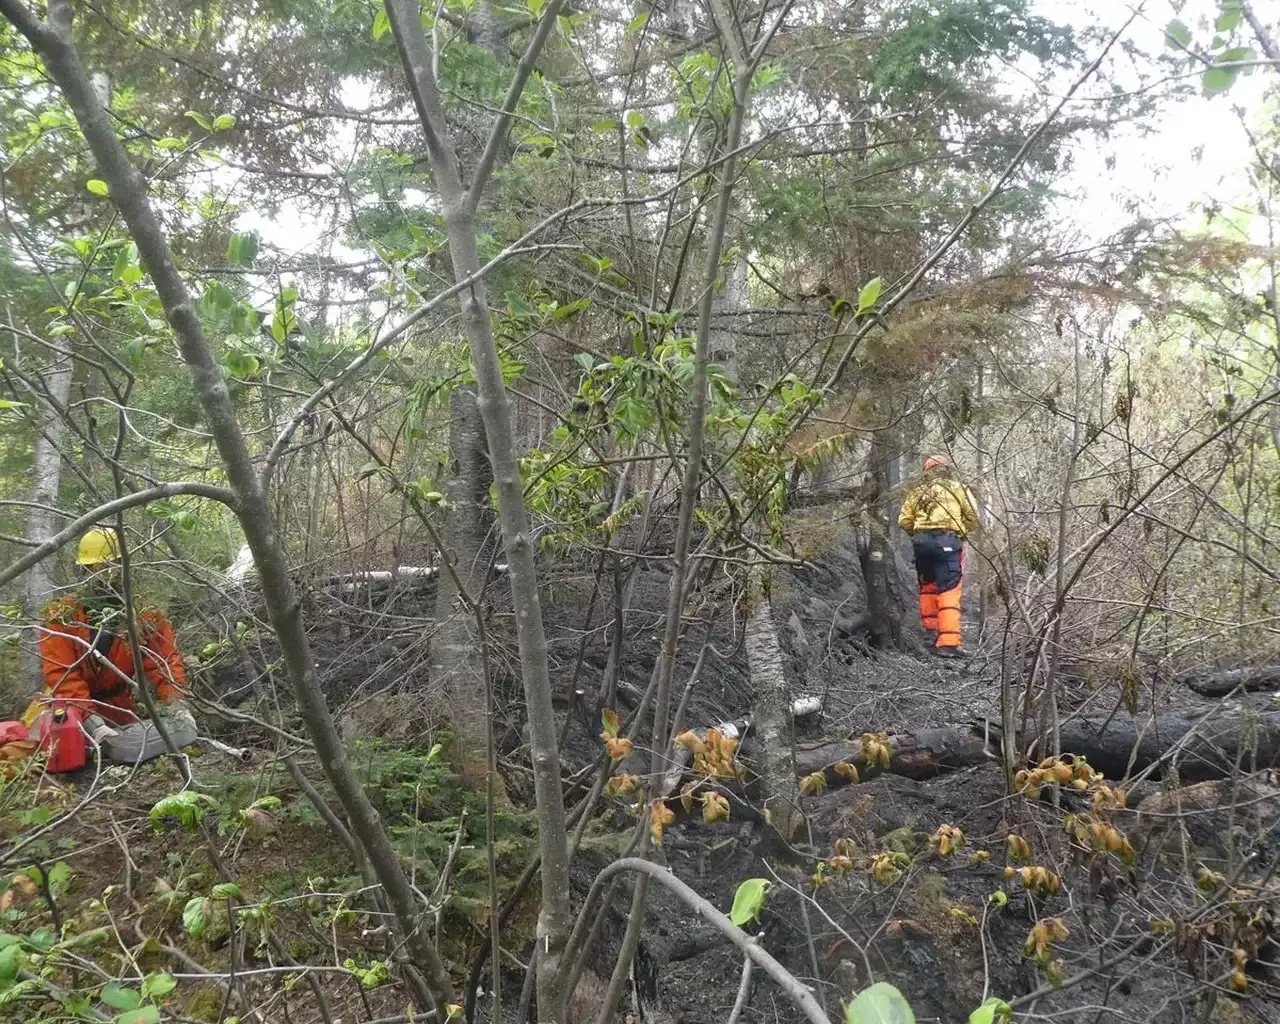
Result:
<point x="744" y="987"/>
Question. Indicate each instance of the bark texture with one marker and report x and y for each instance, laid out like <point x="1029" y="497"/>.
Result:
<point x="916" y="755"/>
<point x="41" y="522"/>
<point x="457" y="676"/>
<point x="771" y="716"/>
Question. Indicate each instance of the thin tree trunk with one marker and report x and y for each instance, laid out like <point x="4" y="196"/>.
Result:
<point x="692" y="477"/>
<point x="53" y="41"/>
<point x="1050" y="723"/>
<point x="457" y="675"/>
<point x="47" y="476"/>
<point x="459" y="208"/>
<point x="771" y="711"/>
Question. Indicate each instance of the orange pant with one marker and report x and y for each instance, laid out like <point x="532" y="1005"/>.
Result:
<point x="939" y="558"/>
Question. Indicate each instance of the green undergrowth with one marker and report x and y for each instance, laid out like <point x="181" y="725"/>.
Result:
<point x="112" y="883"/>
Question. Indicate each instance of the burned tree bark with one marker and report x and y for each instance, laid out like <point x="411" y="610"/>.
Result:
<point x="917" y="755"/>
<point x="1219" y="684"/>
<point x="1204" y="746"/>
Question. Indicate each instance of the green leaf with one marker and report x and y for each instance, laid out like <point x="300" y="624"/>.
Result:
<point x="142" y="1015"/>
<point x="266" y="803"/>
<point x="571" y="308"/>
<point x="638" y="22"/>
<point x="434" y="752"/>
<point x="870" y="294"/>
<point x="381" y="23"/>
<point x="97" y="186"/>
<point x="879" y="1004"/>
<point x="748" y="900"/>
<point x="188" y="807"/>
<point x="6" y="403"/>
<point x="157" y="986"/>
<point x="59" y="878"/>
<point x="199" y="119"/>
<point x="1230" y="17"/>
<point x="1239" y="53"/>
<point x="586" y="360"/>
<point x="195" y="916"/>
<point x="992" y="1010"/>
<point x="1177" y="35"/>
<point x="120" y="998"/>
<point x="242" y="248"/>
<point x="544" y="144"/>
<point x="1217" y="80"/>
<point x="241" y="364"/>
<point x="223" y="122"/>
<point x="11" y="960"/>
<point x="226" y="891"/>
<point x="604" y="127"/>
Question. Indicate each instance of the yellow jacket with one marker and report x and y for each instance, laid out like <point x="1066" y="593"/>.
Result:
<point x="940" y="503"/>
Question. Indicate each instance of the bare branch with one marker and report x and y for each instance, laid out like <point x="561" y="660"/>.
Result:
<point x="77" y="526"/>
<point x="789" y="984"/>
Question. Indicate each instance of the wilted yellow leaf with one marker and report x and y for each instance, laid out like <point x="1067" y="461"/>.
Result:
<point x="844" y="768"/>
<point x="660" y="816"/>
<point x="714" y="807"/>
<point x="611" y="722"/>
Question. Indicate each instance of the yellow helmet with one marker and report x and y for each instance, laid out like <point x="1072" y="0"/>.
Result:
<point x="98" y="547"/>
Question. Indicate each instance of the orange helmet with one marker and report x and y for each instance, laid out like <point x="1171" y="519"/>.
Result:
<point x="936" y="462"/>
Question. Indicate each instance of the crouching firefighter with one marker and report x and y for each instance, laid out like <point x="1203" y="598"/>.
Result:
<point x="87" y="659"/>
<point x="939" y="514"/>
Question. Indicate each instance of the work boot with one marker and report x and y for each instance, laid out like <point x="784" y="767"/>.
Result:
<point x="951" y="653"/>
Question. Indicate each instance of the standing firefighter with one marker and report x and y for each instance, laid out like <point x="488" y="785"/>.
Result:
<point x="939" y="513"/>
<point x="85" y="653"/>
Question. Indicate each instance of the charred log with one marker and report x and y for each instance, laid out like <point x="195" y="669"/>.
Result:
<point x="1219" y="684"/>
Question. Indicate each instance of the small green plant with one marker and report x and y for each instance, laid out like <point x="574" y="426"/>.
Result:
<point x="748" y="901"/>
<point x="881" y="1003"/>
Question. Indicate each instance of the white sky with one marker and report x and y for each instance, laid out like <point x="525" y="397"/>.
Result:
<point x="1158" y="168"/>
<point x="1161" y="169"/>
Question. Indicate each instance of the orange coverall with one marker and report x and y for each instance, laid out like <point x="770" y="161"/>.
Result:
<point x="72" y="673"/>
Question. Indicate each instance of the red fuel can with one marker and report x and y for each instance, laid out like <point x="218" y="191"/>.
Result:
<point x="62" y="737"/>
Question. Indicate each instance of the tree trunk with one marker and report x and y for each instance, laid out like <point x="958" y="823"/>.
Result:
<point x="771" y="711"/>
<point x="732" y="299"/>
<point x="128" y="189"/>
<point x="457" y="676"/>
<point x="459" y="208"/>
<point x="876" y="551"/>
<point x="47" y="475"/>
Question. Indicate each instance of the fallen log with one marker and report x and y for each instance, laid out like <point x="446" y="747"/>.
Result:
<point x="1219" y="684"/>
<point x="917" y="755"/>
<point x="1201" y="745"/>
